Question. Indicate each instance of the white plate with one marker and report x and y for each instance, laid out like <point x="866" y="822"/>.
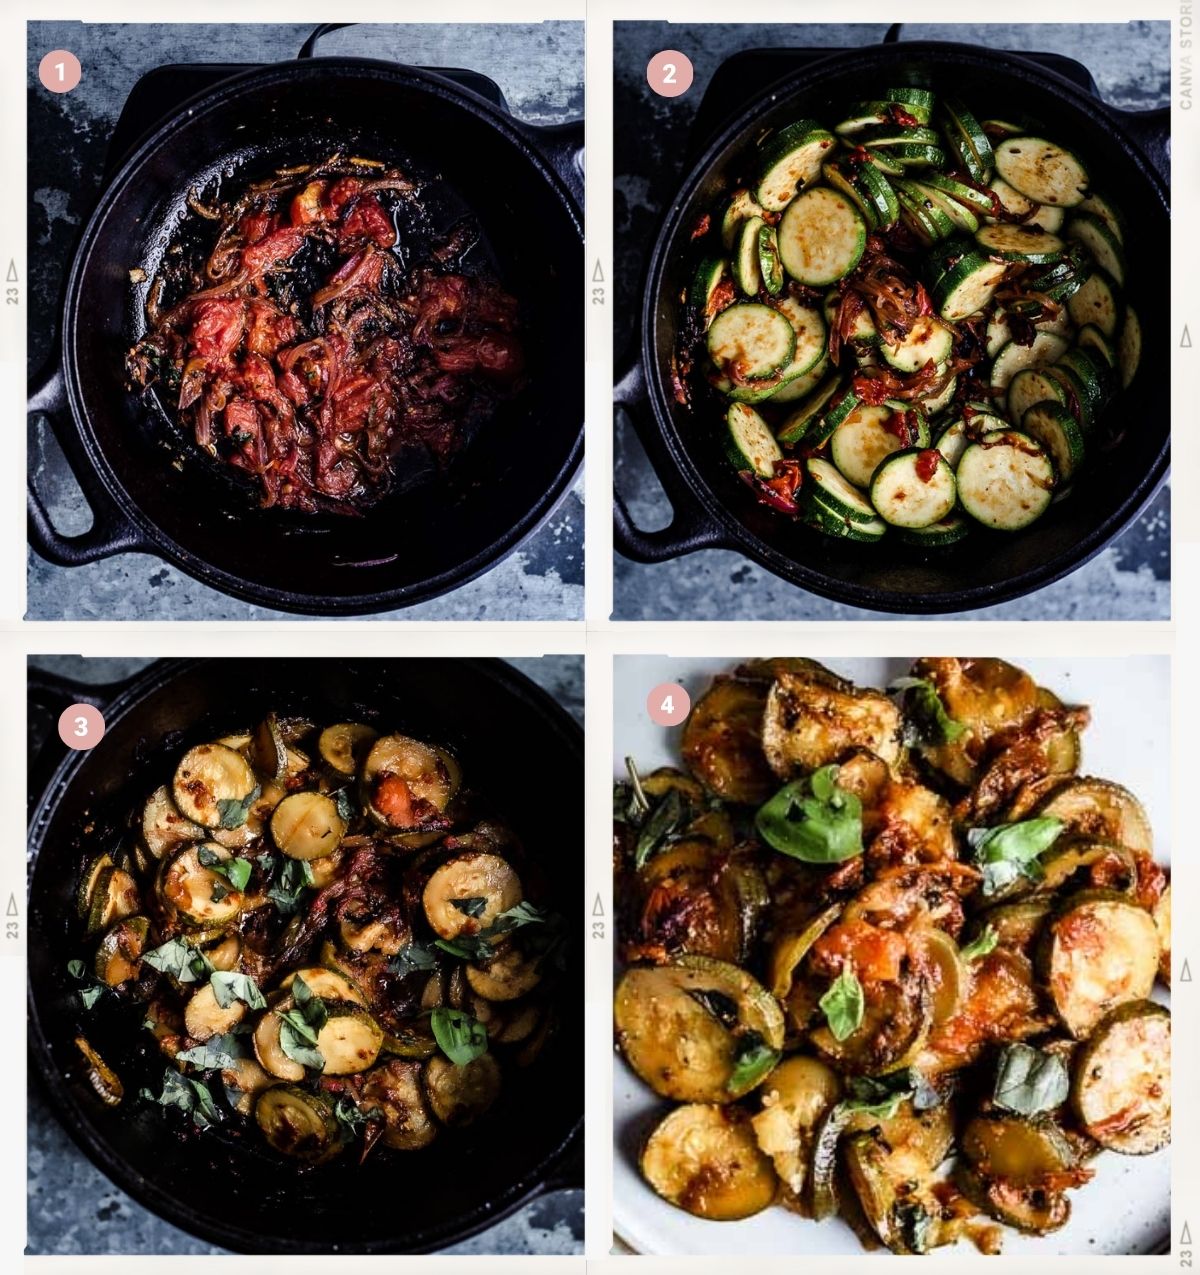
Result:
<point x="1126" y="1207"/>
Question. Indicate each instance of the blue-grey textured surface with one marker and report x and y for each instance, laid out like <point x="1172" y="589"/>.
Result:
<point x="1130" y="63"/>
<point x="539" y="68"/>
<point x="72" y="1208"/>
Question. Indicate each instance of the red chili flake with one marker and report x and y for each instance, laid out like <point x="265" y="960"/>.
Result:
<point x="902" y="117"/>
<point x="702" y="226"/>
<point x="927" y="464"/>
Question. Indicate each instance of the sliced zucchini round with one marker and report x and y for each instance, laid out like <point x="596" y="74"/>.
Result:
<point x="750" y="341"/>
<point x="1121" y="1082"/>
<point x="1097" y="301"/>
<point x="913" y="488"/>
<point x="791" y="161"/>
<point x="1020" y="242"/>
<point x="1094" y="341"/>
<point x="196" y="893"/>
<point x="508" y="976"/>
<point x="1029" y="386"/>
<point x="749" y="442"/>
<point x="795" y="1097"/>
<point x="1162" y="923"/>
<point x="949" y="531"/>
<point x="1101" y="810"/>
<point x="1099" y="951"/>
<point x="1017" y="924"/>
<point x="1028" y="1209"/>
<point x="394" y="1092"/>
<point x="790" y="947"/>
<point x="344" y="745"/>
<point x="722" y="742"/>
<point x="204" y="1017"/>
<point x="928" y="341"/>
<point x="113" y="896"/>
<point x="1045" y="348"/>
<point x="452" y="893"/>
<point x="829" y="488"/>
<point x="306" y="825"/>
<point x="1104" y="246"/>
<point x="967" y="140"/>
<point x="119" y="956"/>
<point x="209" y="780"/>
<point x="268" y="1049"/>
<point x="742" y="205"/>
<point x="350" y="1040"/>
<point x="966" y="287"/>
<point x="867" y="436"/>
<point x="797" y="425"/>
<point x="1103" y="207"/>
<point x="705" y="1159"/>
<point x="244" y="1080"/>
<point x="897" y="1018"/>
<point x="1021" y="1150"/>
<point x="1042" y="171"/>
<point x="1005" y="480"/>
<point x="163" y="827"/>
<point x="460" y="1095"/>
<point x="822" y="237"/>
<point x="1129" y="347"/>
<point x="327" y="984"/>
<point x="404" y="780"/>
<point x="1059" y="433"/>
<point x="769" y="266"/>
<point x="683" y="1027"/>
<point x="298" y="1123"/>
<point x="747" y="271"/>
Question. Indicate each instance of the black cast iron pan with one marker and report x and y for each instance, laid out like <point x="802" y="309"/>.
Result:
<point x="519" y="750"/>
<point x="522" y="187"/>
<point x="711" y="507"/>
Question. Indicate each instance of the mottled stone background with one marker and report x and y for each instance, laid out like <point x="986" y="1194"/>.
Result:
<point x="72" y="1208"/>
<point x="1130" y="62"/>
<point x="539" y="68"/>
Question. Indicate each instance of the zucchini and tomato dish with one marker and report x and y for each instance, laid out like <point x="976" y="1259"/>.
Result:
<point x="889" y="955"/>
<point x="913" y="321"/>
<point x="325" y="935"/>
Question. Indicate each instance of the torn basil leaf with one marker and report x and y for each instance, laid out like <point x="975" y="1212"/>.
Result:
<point x="188" y="1095"/>
<point x="1011" y="851"/>
<point x="233" y="813"/>
<point x="925" y="717"/>
<point x="229" y="986"/>
<point x="90" y="995"/>
<point x="411" y="959"/>
<point x="467" y="947"/>
<point x="1029" y="1081"/>
<point x="843" y="1005"/>
<point x="473" y="906"/>
<point x="878" y="1098"/>
<point x="76" y="969"/>
<point x="723" y="1008"/>
<point x="349" y="1116"/>
<point x="212" y="1055"/>
<point x="982" y="944"/>
<point x="180" y="960"/>
<point x="666" y="821"/>
<point x="345" y="807"/>
<point x="461" y="1037"/>
<point x="293" y="878"/>
<point x="813" y="820"/>
<point x="300" y="1026"/>
<point x="753" y="1060"/>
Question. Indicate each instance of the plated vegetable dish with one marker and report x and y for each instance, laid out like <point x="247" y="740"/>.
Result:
<point x="328" y="937"/>
<point x="889" y="955"/>
<point x="912" y="322"/>
<point x="312" y="335"/>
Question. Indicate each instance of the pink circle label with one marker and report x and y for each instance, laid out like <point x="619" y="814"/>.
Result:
<point x="59" y="71"/>
<point x="81" y="727"/>
<point x="669" y="73"/>
<point x="668" y="704"/>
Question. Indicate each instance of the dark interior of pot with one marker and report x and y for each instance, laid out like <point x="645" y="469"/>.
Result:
<point x="524" y="757"/>
<point x="518" y="462"/>
<point x="986" y="566"/>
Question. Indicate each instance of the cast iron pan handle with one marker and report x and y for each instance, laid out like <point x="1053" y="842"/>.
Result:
<point x="567" y="1175"/>
<point x="562" y="146"/>
<point x="1151" y="133"/>
<point x="110" y="532"/>
<point x="689" y="529"/>
<point x="309" y="47"/>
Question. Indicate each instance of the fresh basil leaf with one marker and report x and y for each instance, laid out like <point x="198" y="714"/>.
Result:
<point x="207" y="857"/>
<point x="1010" y="851"/>
<point x="473" y="906"/>
<point x="412" y="958"/>
<point x="523" y="913"/>
<point x="460" y="1037"/>
<point x="180" y="960"/>
<point x="843" y="1005"/>
<point x="345" y="807"/>
<point x="219" y="892"/>
<point x="723" y="1008"/>
<point x="234" y="813"/>
<point x="76" y="969"/>
<point x="212" y="1055"/>
<point x="984" y="943"/>
<point x="880" y="1099"/>
<point x="310" y="1005"/>
<point x="229" y="986"/>
<point x="237" y="872"/>
<point x="188" y="1095"/>
<point x="753" y="1060"/>
<point x="665" y="821"/>
<point x="467" y="947"/>
<point x="925" y="713"/>
<point x="1029" y="1081"/>
<point x="813" y="820"/>
<point x="90" y="995"/>
<point x="298" y="1041"/>
<point x="915" y="1225"/>
<point x="293" y="878"/>
<point x="349" y="1116"/>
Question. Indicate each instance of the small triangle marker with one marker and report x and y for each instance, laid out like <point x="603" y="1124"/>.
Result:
<point x="1185" y="974"/>
<point x="11" y="277"/>
<point x="1186" y="1237"/>
<point x="11" y="910"/>
<point x="597" y="907"/>
<point x="1186" y="342"/>
<point x="598" y="273"/>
